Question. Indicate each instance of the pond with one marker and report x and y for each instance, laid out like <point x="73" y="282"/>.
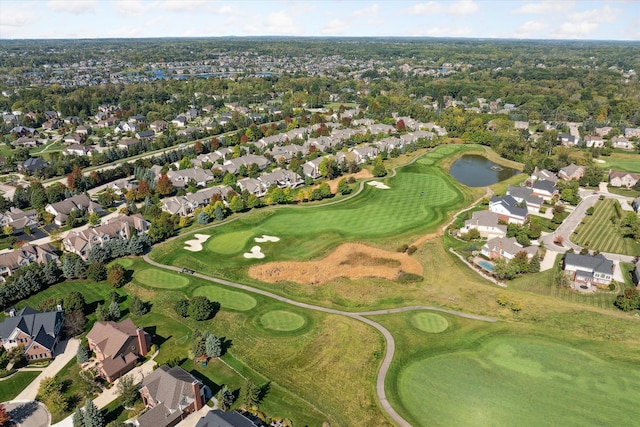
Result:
<point x="476" y="171"/>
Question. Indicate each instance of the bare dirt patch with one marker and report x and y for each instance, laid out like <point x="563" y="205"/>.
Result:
<point x="349" y="260"/>
<point x="363" y="174"/>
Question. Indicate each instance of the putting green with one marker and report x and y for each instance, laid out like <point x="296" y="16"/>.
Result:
<point x="230" y="243"/>
<point x="160" y="279"/>
<point x="228" y="299"/>
<point x="429" y="322"/>
<point x="282" y="320"/>
<point x="520" y="381"/>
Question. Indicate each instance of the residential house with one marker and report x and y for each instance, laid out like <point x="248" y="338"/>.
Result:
<point x="121" y="227"/>
<point x="73" y="120"/>
<point x="594" y="141"/>
<point x="127" y="143"/>
<point x="233" y="165"/>
<point x="181" y="178"/>
<point x="632" y="132"/>
<point x="32" y="165"/>
<point x="84" y="130"/>
<point x="38" y="332"/>
<point x="25" y="255"/>
<point x="51" y="124"/>
<point x="19" y="131"/>
<point x="282" y="178"/>
<point x="218" y="418"/>
<point x="107" y="122"/>
<point x="603" y="131"/>
<point x="139" y="118"/>
<point x="187" y="204"/>
<point x="311" y="168"/>
<point x="117" y="346"/>
<point x="125" y="127"/>
<point x="19" y="219"/>
<point x="25" y="141"/>
<point x="365" y="153"/>
<point x="544" y="189"/>
<point x="145" y="135"/>
<point x="180" y="121"/>
<point x="486" y="222"/>
<point x="567" y="140"/>
<point x="521" y="125"/>
<point x="622" y="142"/>
<point x="591" y="270"/>
<point x="158" y="125"/>
<point x="543" y="174"/>
<point x="506" y="247"/>
<point x="253" y="186"/>
<point x="170" y="395"/>
<point x="571" y="172"/>
<point x="79" y="202"/>
<point x="508" y="209"/>
<point x="534" y="203"/>
<point x="74" y="138"/>
<point x="623" y="179"/>
<point x="78" y="150"/>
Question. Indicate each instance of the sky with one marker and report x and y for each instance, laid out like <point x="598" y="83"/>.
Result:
<point x="536" y="19"/>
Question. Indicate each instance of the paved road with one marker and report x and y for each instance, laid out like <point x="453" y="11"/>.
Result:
<point x="386" y="362"/>
<point x="70" y="349"/>
<point x="28" y="413"/>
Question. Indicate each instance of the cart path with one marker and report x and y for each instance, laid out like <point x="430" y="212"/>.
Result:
<point x="359" y="316"/>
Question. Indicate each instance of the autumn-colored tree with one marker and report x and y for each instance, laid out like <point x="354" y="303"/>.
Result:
<point x="4" y="415"/>
<point x="198" y="147"/>
<point x="215" y="143"/>
<point x="74" y="178"/>
<point x="400" y="126"/>
<point x="244" y="138"/>
<point x="144" y="190"/>
<point x="130" y="195"/>
<point x="164" y="186"/>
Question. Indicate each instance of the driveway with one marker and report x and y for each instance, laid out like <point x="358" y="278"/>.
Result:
<point x="28" y="413"/>
<point x="65" y="352"/>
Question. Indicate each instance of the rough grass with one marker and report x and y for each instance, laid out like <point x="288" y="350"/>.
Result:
<point x="12" y="386"/>
<point x="282" y="320"/>
<point x="599" y="233"/>
<point x="163" y="279"/>
<point x="228" y="299"/>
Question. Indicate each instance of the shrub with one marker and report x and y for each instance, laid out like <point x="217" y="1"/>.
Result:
<point x="411" y="249"/>
<point x="181" y="307"/>
<point x="97" y="272"/>
<point x="116" y="276"/>
<point x="201" y="308"/>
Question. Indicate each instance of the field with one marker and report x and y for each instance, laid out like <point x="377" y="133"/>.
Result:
<point x="11" y="387"/>
<point x="505" y="374"/>
<point x="599" y="233"/>
<point x="621" y="161"/>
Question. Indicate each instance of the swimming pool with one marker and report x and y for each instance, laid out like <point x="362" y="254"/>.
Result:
<point x="485" y="264"/>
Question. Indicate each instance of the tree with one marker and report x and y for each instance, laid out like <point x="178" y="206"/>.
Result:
<point x="78" y="418"/>
<point x="114" y="311"/>
<point x="236" y="204"/>
<point x="534" y="264"/>
<point x="102" y="313"/>
<point x="144" y="190"/>
<point x="201" y="308"/>
<point x="74" y="323"/>
<point x="328" y="168"/>
<point x="343" y="187"/>
<point x="116" y="276"/>
<point x="94" y="219"/>
<point x="92" y="415"/>
<point x="82" y="355"/>
<point x="4" y="415"/>
<point x="378" y="169"/>
<point x="203" y="218"/>
<point x="218" y="213"/>
<point x="226" y="398"/>
<point x="7" y="230"/>
<point x="213" y="346"/>
<point x="251" y="395"/>
<point x="127" y="389"/>
<point x="97" y="272"/>
<point x="137" y="307"/>
<point x="181" y="307"/>
<point x="74" y="301"/>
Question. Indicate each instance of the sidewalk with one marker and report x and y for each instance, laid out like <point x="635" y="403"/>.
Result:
<point x="70" y="349"/>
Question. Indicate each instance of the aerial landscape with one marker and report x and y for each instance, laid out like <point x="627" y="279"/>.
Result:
<point x="304" y="213"/>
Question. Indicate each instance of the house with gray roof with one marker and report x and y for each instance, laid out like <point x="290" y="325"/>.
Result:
<point x="543" y="175"/>
<point x="32" y="165"/>
<point x="533" y="202"/>
<point x="544" y="189"/>
<point x="170" y="395"/>
<point x="623" y="179"/>
<point x="25" y="255"/>
<point x="570" y="172"/>
<point x="486" y="222"/>
<point x="38" y="332"/>
<point x="282" y="178"/>
<point x="589" y="269"/>
<point x="506" y="247"/>
<point x="79" y="202"/>
<point x="508" y="209"/>
<point x="218" y="418"/>
<point x="181" y="178"/>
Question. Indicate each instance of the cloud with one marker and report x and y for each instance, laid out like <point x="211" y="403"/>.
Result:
<point x="545" y="7"/>
<point x="334" y="28"/>
<point x="16" y="18"/>
<point x="276" y="23"/>
<point x="184" y="5"/>
<point x="583" y="24"/>
<point x="458" y="7"/>
<point x="441" y="32"/>
<point x="75" y="7"/>
<point x="532" y="30"/>
<point x="367" y="12"/>
<point x="133" y="7"/>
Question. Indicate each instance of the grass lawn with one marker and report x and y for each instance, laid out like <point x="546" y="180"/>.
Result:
<point x="228" y="299"/>
<point x="282" y="320"/>
<point x="479" y="374"/>
<point x="598" y="232"/>
<point x="621" y="161"/>
<point x="12" y="386"/>
<point x="156" y="278"/>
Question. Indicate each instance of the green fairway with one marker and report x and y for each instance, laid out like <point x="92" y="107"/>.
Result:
<point x="11" y="387"/>
<point x="228" y="299"/>
<point x="282" y="320"/>
<point x="230" y="243"/>
<point x="156" y="278"/>
<point x="621" y="161"/>
<point x="520" y="381"/>
<point x="429" y="322"/>
<point x="599" y="233"/>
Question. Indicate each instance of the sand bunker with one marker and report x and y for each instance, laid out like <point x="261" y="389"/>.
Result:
<point x="349" y="260"/>
<point x="256" y="252"/>
<point x="195" y="245"/>
<point x="378" y="184"/>
<point x="266" y="238"/>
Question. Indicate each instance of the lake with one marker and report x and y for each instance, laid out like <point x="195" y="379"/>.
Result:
<point x="476" y="171"/>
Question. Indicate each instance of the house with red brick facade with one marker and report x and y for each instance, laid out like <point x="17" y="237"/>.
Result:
<point x="170" y="395"/>
<point x="38" y="332"/>
<point x="117" y="346"/>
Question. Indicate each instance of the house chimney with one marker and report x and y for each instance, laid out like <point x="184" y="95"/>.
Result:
<point x="12" y="312"/>
<point x="198" y="400"/>
<point x="142" y="342"/>
<point x="59" y="307"/>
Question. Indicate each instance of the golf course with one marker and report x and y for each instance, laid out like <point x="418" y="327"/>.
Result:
<point x="556" y="361"/>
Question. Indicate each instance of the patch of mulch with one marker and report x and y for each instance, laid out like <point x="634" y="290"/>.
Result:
<point x="349" y="260"/>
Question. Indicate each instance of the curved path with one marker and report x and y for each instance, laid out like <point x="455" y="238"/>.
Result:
<point x="359" y="316"/>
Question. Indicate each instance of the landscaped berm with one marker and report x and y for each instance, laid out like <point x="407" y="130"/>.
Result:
<point x="349" y="260"/>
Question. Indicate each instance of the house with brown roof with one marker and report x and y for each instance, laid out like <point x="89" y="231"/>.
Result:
<point x="623" y="179"/>
<point x="79" y="202"/>
<point x="571" y="172"/>
<point x="38" y="332"/>
<point x="27" y="254"/>
<point x="506" y="247"/>
<point x="170" y="395"/>
<point x="117" y="346"/>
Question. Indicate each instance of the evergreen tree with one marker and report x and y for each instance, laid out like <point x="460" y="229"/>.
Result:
<point x="534" y="264"/>
<point x="203" y="218"/>
<point x="78" y="418"/>
<point x="226" y="398"/>
<point x="68" y="268"/>
<point x="114" y="311"/>
<point x="80" y="268"/>
<point x="102" y="313"/>
<point x="137" y="307"/>
<point x="82" y="354"/>
<point x="213" y="346"/>
<point x="218" y="213"/>
<point x="92" y="415"/>
<point x="251" y="395"/>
